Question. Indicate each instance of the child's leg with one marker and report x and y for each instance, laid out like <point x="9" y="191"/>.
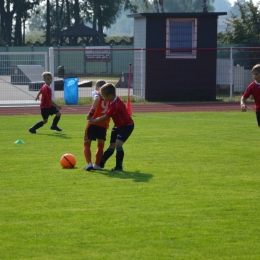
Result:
<point x="123" y="135"/>
<point x="100" y="150"/>
<point x="119" y="154"/>
<point x="87" y="151"/>
<point x="108" y="153"/>
<point x="258" y="118"/>
<point x="56" y="119"/>
<point x="38" y="125"/>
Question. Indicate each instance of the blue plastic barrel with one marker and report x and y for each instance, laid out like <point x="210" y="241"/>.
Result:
<point x="71" y="95"/>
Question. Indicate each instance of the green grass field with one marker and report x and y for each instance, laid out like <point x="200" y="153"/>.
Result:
<point x="190" y="190"/>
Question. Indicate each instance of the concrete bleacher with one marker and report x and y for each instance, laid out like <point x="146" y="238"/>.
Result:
<point x="58" y="85"/>
<point x="123" y="81"/>
<point x="24" y="74"/>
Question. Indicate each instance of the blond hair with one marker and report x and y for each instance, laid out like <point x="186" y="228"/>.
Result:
<point x="46" y="73"/>
<point x="100" y="83"/>
<point x="256" y="68"/>
<point x="108" y="89"/>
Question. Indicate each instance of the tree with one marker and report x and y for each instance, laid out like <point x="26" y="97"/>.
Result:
<point x="181" y="5"/>
<point x="222" y="5"/>
<point x="243" y="28"/>
<point x="17" y="10"/>
<point x="7" y="9"/>
<point x="105" y="12"/>
<point x="23" y="11"/>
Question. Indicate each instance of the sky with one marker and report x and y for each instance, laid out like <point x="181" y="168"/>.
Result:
<point x="233" y="1"/>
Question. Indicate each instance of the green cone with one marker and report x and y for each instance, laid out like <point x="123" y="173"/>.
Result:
<point x="19" y="142"/>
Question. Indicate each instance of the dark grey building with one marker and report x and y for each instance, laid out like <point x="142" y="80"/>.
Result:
<point x="179" y="53"/>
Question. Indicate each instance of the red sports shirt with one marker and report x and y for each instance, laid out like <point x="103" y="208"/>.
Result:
<point x="117" y="110"/>
<point x="254" y="90"/>
<point x="46" y="96"/>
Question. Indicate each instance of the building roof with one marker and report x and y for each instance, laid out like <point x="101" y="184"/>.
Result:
<point x="79" y="30"/>
<point x="176" y="15"/>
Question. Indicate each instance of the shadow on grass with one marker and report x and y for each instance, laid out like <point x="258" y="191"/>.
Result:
<point x="60" y="135"/>
<point x="137" y="176"/>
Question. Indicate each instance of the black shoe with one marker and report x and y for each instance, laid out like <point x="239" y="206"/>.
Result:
<point x="117" y="169"/>
<point x="32" y="130"/>
<point x="56" y="128"/>
<point x="102" y="164"/>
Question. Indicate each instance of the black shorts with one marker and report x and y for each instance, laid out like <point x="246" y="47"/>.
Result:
<point x="94" y="132"/>
<point x="46" y="112"/>
<point x="121" y="133"/>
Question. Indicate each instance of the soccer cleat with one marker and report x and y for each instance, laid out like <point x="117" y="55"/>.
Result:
<point x="88" y="167"/>
<point x="56" y="128"/>
<point x="117" y="169"/>
<point x="96" y="167"/>
<point x="101" y="164"/>
<point x="32" y="130"/>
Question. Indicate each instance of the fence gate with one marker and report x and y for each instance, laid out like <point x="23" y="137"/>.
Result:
<point x="20" y="76"/>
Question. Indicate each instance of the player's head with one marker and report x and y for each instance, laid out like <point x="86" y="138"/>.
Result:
<point x="108" y="91"/>
<point x="99" y="84"/>
<point x="256" y="72"/>
<point x="47" y="77"/>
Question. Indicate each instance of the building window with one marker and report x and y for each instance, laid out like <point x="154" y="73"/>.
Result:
<point x="181" y="38"/>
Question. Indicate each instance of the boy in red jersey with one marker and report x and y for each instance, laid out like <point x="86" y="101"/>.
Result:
<point x="254" y="90"/>
<point x="48" y="107"/>
<point x="124" y="125"/>
<point x="96" y="130"/>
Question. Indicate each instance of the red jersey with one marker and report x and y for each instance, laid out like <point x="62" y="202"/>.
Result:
<point x="101" y="110"/>
<point x="254" y="90"/>
<point x="46" y="96"/>
<point x="117" y="110"/>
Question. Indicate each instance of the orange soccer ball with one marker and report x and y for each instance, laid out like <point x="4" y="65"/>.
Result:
<point x="68" y="160"/>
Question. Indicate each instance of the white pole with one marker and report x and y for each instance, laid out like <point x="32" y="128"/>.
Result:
<point x="142" y="83"/>
<point x="231" y="75"/>
<point x="51" y="66"/>
<point x="46" y="61"/>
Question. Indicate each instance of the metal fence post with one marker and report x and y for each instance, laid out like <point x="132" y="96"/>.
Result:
<point x="51" y="66"/>
<point x="111" y="59"/>
<point x="231" y="75"/>
<point x="84" y="60"/>
<point x="142" y="83"/>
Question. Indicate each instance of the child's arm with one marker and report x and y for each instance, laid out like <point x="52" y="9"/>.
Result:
<point x="242" y="104"/>
<point x="38" y="96"/>
<point x="94" y="106"/>
<point x="54" y="104"/>
<point x="99" y="119"/>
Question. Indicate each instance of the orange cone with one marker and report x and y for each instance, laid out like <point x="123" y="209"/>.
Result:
<point x="129" y="106"/>
<point x="128" y="103"/>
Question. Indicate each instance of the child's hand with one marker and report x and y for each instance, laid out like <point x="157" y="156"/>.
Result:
<point x="90" y="119"/>
<point x="243" y="108"/>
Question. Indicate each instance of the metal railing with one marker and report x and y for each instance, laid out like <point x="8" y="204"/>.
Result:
<point x="20" y="72"/>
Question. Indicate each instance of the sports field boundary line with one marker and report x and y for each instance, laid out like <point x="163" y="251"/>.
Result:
<point x="136" y="108"/>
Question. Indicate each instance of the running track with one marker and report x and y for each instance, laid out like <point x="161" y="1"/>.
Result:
<point x="136" y="108"/>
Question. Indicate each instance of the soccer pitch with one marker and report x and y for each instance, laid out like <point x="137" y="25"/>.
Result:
<point x="189" y="190"/>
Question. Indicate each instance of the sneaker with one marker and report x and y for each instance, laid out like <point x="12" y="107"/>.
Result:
<point x="118" y="169"/>
<point x="56" y="128"/>
<point x="32" y="130"/>
<point x="96" y="167"/>
<point x="88" y="167"/>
